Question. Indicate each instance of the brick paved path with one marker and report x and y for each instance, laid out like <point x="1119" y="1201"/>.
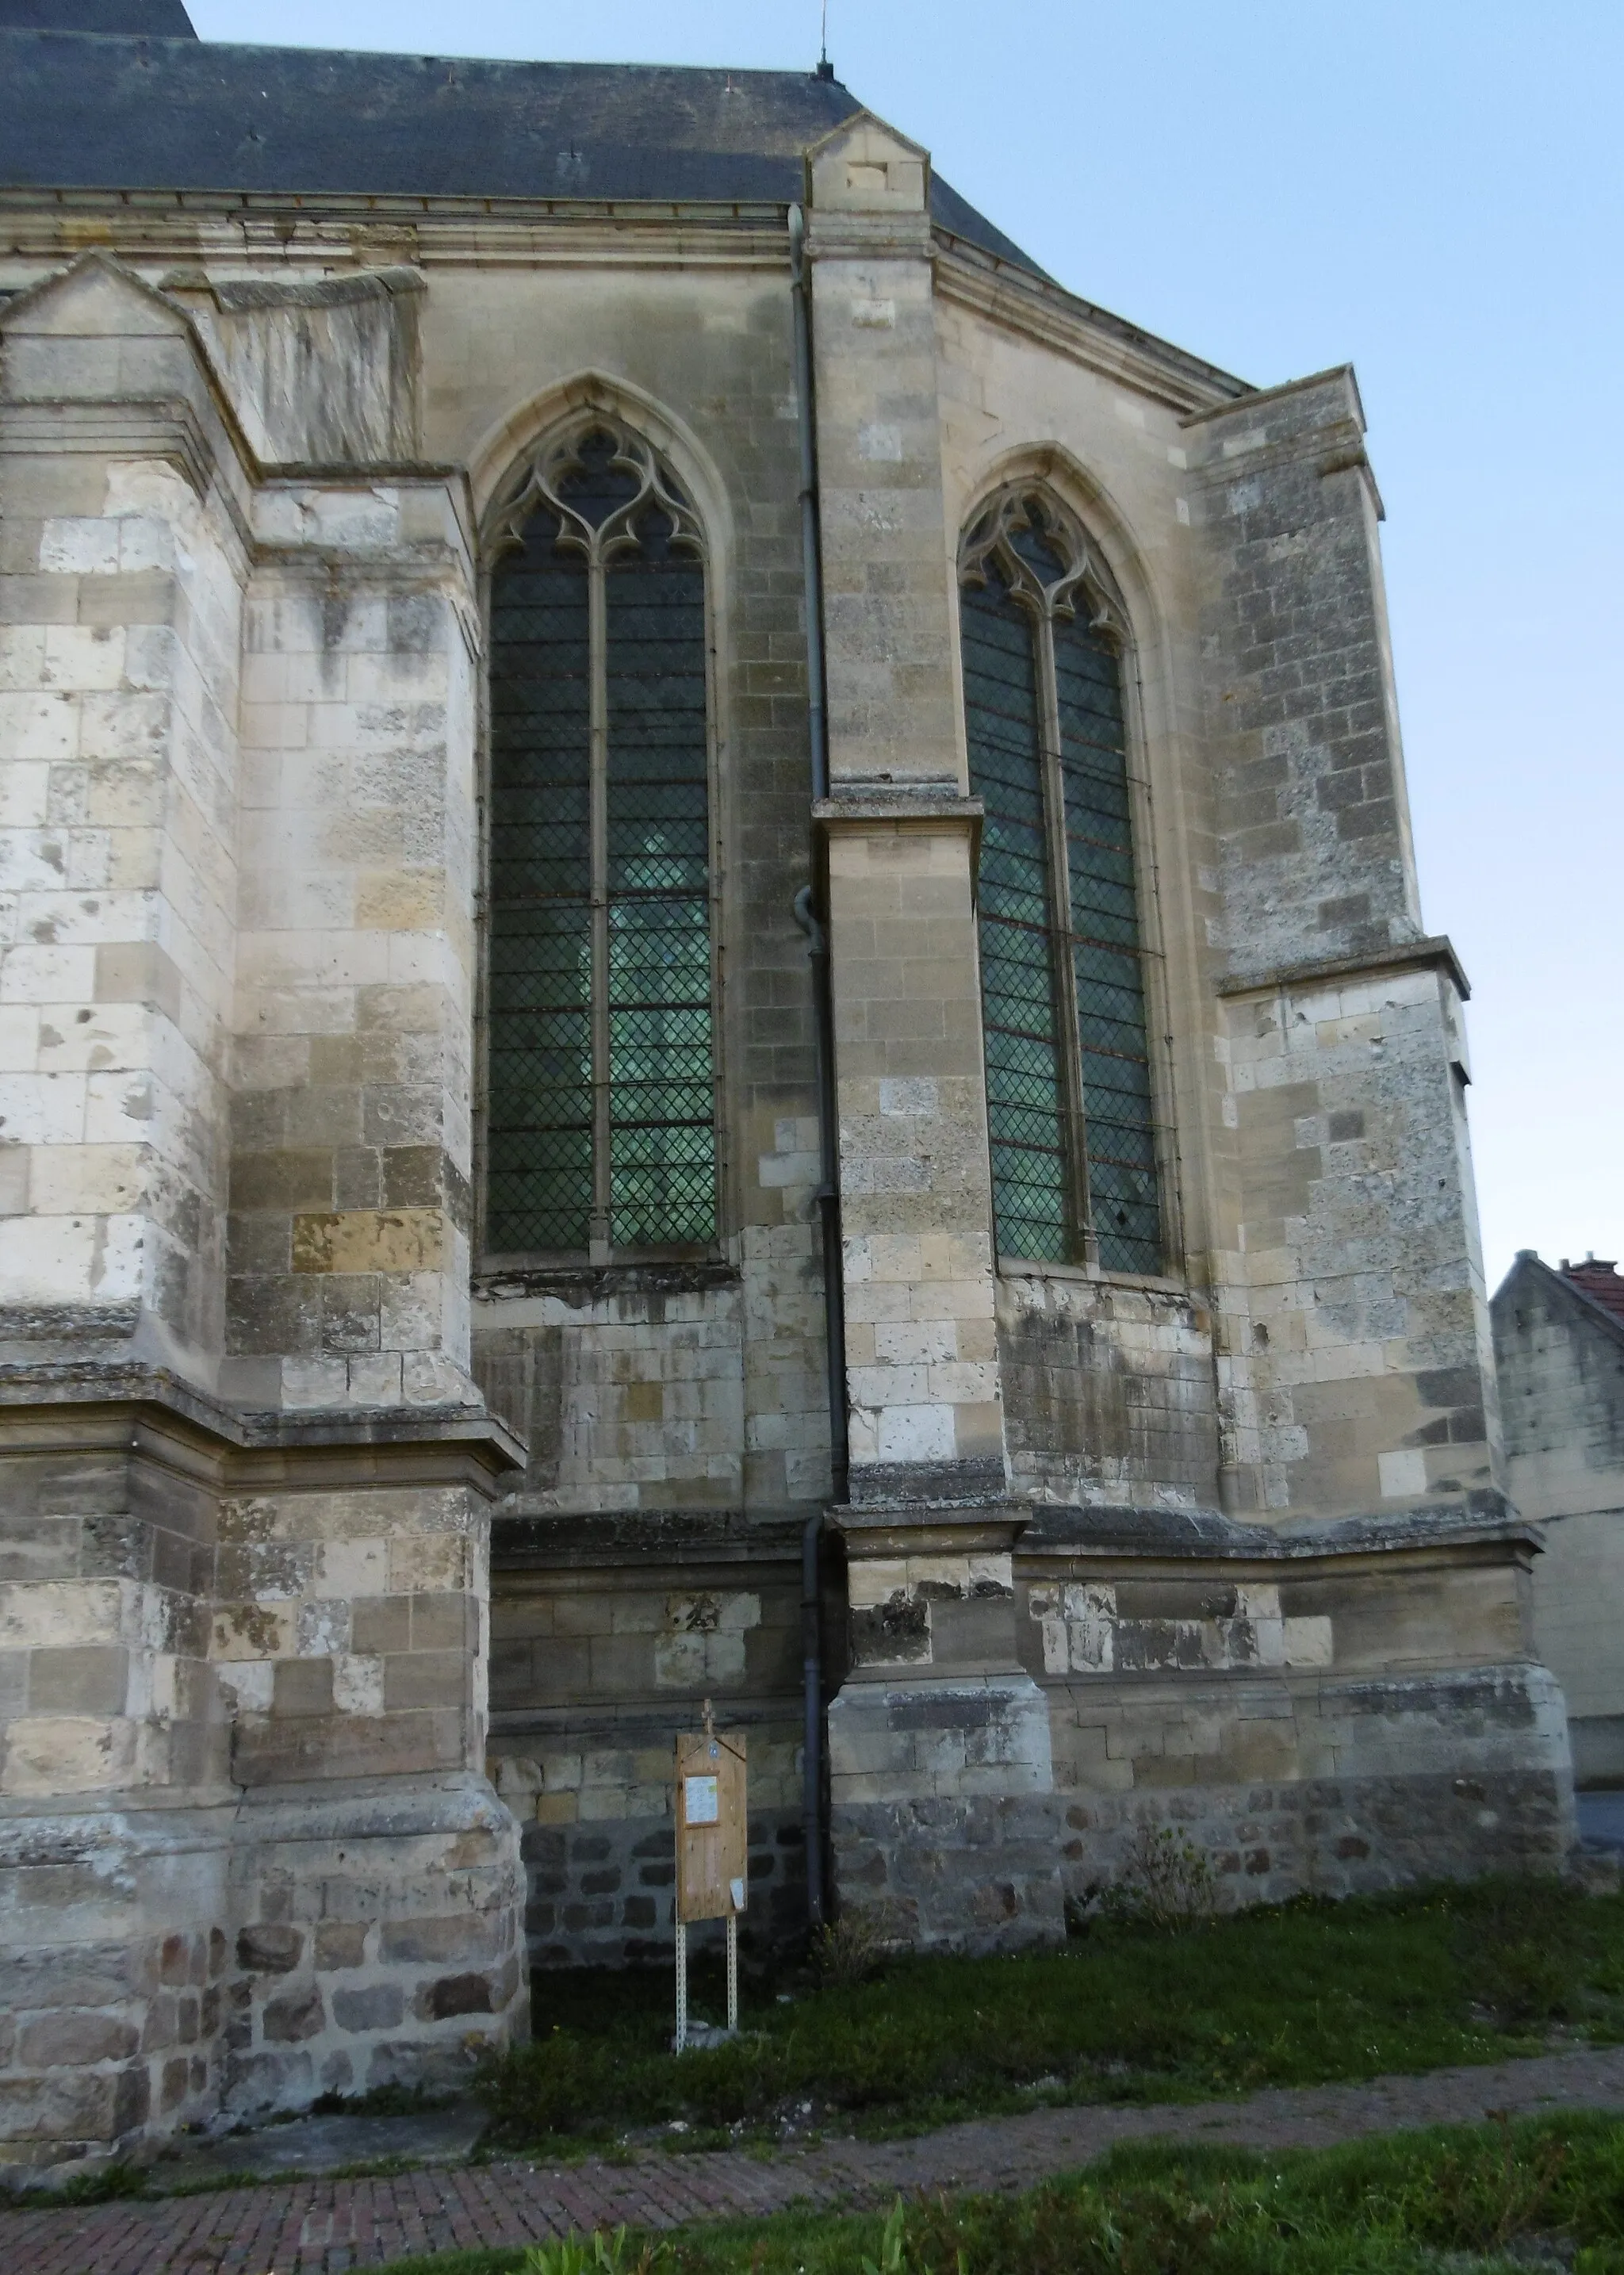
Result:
<point x="320" y="2227"/>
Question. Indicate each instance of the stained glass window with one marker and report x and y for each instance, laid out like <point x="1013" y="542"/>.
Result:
<point x="600" y="1127"/>
<point x="1070" y="1109"/>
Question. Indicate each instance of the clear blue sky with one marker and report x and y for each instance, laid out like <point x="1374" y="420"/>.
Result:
<point x="1434" y="190"/>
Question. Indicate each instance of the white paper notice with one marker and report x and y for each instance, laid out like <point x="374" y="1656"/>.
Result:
<point x="700" y="1801"/>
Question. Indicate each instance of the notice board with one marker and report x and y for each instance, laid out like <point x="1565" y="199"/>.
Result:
<point x="712" y="1835"/>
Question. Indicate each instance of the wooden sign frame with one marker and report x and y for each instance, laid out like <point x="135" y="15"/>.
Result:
<point x="712" y="1849"/>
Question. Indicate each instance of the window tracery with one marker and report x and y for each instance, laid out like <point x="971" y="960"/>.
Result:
<point x="601" y="1123"/>
<point x="1069" y="1097"/>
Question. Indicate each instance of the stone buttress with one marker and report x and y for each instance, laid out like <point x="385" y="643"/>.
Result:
<point x="250" y="1852"/>
<point x="939" y="1739"/>
<point x="1258" y="1581"/>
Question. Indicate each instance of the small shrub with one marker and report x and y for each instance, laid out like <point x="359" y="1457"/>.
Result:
<point x="1165" y="1883"/>
<point x="1523" y="1942"/>
<point x="546" y="2086"/>
<point x="853" y="1948"/>
<point x="599" y="2254"/>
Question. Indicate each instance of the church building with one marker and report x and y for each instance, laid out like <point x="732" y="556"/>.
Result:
<point x="712" y="988"/>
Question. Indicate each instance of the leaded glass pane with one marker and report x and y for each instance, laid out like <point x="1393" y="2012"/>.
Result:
<point x="662" y="1151"/>
<point x="653" y="886"/>
<point x="1025" y="1093"/>
<point x="539" y="1181"/>
<point x="1119" y="1118"/>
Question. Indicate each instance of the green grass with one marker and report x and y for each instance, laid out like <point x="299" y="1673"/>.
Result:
<point x="1301" y="1995"/>
<point x="1547" y="2192"/>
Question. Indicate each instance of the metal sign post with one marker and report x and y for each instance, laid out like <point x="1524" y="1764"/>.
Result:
<point x="712" y="1847"/>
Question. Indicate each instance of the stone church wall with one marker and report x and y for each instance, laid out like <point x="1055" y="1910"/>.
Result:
<point x="1560" y="1365"/>
<point x="355" y="1589"/>
<point x="607" y="1635"/>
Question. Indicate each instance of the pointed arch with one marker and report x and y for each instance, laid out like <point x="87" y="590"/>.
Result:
<point x="600" y="1074"/>
<point x="1044" y="635"/>
<point x="499" y="463"/>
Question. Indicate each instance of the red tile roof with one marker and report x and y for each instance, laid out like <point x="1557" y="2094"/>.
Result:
<point x="1601" y="1282"/>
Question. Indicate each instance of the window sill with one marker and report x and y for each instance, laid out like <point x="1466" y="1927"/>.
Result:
<point x="674" y="1273"/>
<point x="1159" y="1283"/>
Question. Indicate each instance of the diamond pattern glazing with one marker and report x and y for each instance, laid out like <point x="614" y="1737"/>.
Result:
<point x="601" y="1107"/>
<point x="1073" y="1132"/>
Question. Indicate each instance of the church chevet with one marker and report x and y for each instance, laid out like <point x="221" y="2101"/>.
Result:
<point x="711" y="991"/>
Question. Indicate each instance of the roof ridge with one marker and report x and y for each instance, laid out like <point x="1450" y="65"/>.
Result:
<point x="183" y="114"/>
<point x="1529" y="1258"/>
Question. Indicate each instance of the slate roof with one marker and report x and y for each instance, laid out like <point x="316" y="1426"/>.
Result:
<point x="158" y="109"/>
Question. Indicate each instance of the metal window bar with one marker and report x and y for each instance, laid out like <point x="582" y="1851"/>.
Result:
<point x="1124" y="1207"/>
<point x="601" y="1113"/>
<point x="1027" y="1104"/>
<point x="1048" y="752"/>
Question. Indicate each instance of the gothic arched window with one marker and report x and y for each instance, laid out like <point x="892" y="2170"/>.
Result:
<point x="1069" y="1101"/>
<point x="600" y="1120"/>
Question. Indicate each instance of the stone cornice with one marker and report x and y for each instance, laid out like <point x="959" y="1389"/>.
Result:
<point x="166" y="428"/>
<point x="897" y="813"/>
<point x="682" y="1542"/>
<point x="1436" y="952"/>
<point x="870" y="237"/>
<point x="153" y="1414"/>
<point x="189" y="227"/>
<point x="1163" y="1543"/>
<point x="931" y="1528"/>
<point x="1018" y="301"/>
<point x="896" y="803"/>
<point x="1260" y="398"/>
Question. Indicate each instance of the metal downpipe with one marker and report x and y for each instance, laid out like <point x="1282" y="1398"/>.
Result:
<point x="828" y="1190"/>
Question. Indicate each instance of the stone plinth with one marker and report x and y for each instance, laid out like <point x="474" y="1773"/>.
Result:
<point x="249" y="1851"/>
<point x="943" y="1823"/>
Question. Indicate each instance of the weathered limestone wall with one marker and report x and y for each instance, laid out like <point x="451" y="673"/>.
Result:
<point x="124" y="561"/>
<point x="630" y="1394"/>
<point x="916" y="1203"/>
<point x="243" y="1793"/>
<point x="689" y="1398"/>
<point x="706" y="1389"/>
<point x="1359" y="1379"/>
<point x="921" y="1341"/>
<point x="249" y="1848"/>
<point x="1560" y="1365"/>
<point x="943" y="1817"/>
<point x="1108" y="1380"/>
<point x="353" y="1131"/>
<point x="1332" y="1715"/>
<point x="1355" y="1369"/>
<point x="245" y="1684"/>
<point x="936" y="1740"/>
<point x="114" y="1798"/>
<point x="1109" y="1393"/>
<point x="324" y="370"/>
<point x="606" y="1635"/>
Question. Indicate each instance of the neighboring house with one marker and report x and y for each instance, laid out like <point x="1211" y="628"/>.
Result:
<point x="684" y="1011"/>
<point x="1559" y="1349"/>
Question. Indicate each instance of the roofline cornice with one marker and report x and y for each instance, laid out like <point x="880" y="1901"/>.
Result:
<point x="154" y="226"/>
<point x="1018" y="300"/>
<point x="163" y="226"/>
